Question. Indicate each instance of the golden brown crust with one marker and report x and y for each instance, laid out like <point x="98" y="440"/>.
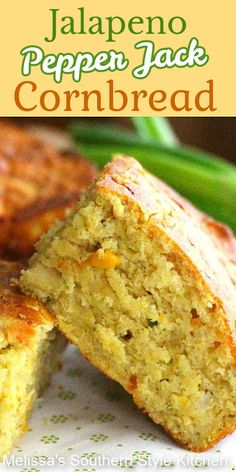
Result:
<point x="131" y="388"/>
<point x="214" y="263"/>
<point x="208" y="246"/>
<point x="225" y="432"/>
<point x="127" y="179"/>
<point x="19" y="314"/>
<point x="37" y="185"/>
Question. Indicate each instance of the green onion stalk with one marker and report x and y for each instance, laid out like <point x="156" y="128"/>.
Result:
<point x="207" y="181"/>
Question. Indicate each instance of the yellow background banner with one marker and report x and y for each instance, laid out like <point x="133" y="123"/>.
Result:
<point x="74" y="28"/>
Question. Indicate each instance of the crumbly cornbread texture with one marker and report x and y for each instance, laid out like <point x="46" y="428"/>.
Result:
<point x="29" y="349"/>
<point x="144" y="284"/>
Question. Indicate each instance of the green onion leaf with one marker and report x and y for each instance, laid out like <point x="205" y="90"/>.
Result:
<point x="156" y="129"/>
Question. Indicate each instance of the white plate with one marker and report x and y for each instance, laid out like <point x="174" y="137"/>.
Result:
<point x="86" y="422"/>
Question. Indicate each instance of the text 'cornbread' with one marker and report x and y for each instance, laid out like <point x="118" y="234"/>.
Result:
<point x="145" y="285"/>
<point x="29" y="353"/>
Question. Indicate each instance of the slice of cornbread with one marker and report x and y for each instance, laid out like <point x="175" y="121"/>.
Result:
<point x="37" y="185"/>
<point x="29" y="353"/>
<point x="145" y="285"/>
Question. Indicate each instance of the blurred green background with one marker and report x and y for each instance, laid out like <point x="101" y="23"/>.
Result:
<point x="174" y="151"/>
<point x="216" y="135"/>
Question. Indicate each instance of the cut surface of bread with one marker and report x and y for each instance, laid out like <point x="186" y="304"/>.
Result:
<point x="37" y="185"/>
<point x="145" y="285"/>
<point x="29" y="354"/>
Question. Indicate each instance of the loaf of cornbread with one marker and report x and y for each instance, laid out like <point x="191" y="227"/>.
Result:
<point x="29" y="353"/>
<point x="145" y="285"/>
<point x="37" y="185"/>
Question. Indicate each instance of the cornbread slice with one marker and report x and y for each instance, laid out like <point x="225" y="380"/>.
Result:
<point x="37" y="185"/>
<point x="29" y="353"/>
<point x="145" y="285"/>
